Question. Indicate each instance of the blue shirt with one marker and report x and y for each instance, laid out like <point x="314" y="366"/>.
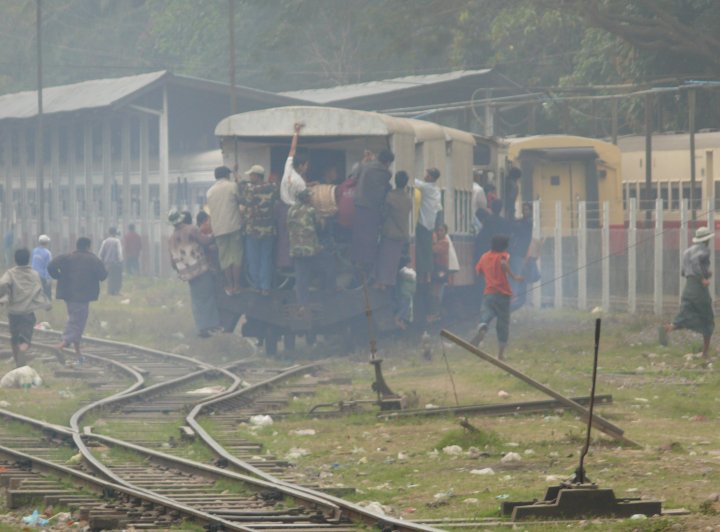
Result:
<point x="41" y="257"/>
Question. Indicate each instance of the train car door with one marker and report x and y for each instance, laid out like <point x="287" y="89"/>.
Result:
<point x="563" y="181"/>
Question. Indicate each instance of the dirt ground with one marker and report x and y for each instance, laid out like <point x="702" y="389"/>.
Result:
<point x="664" y="398"/>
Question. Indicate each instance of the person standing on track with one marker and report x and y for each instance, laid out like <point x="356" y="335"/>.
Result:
<point x="78" y="275"/>
<point x="696" y="308"/>
<point x="22" y="291"/>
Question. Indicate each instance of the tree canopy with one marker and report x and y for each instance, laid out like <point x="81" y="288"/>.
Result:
<point x="542" y="45"/>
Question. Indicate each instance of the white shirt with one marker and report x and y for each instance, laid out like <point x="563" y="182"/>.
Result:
<point x="291" y="183"/>
<point x="479" y="200"/>
<point x="430" y="203"/>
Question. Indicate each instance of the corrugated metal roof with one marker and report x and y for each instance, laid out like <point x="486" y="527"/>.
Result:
<point x="371" y="88"/>
<point x="91" y="94"/>
<point x="100" y="93"/>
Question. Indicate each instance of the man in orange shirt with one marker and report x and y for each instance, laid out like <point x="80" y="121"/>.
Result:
<point x="495" y="266"/>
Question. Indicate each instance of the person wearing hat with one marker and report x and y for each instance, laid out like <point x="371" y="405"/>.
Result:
<point x="305" y="249"/>
<point x="696" y="310"/>
<point x="41" y="257"/>
<point x="224" y="204"/>
<point x="259" y="227"/>
<point x="188" y="259"/>
<point x="111" y="253"/>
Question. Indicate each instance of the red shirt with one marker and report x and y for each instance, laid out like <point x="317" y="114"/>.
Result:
<point x="132" y="245"/>
<point x="496" y="280"/>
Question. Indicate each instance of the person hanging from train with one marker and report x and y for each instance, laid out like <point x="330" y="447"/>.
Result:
<point x="441" y="268"/>
<point x="395" y="232"/>
<point x="494" y="266"/>
<point x="479" y="199"/>
<point x="373" y="184"/>
<point x="188" y="259"/>
<point x="511" y="192"/>
<point x="520" y="259"/>
<point x="308" y="255"/>
<point x="204" y="223"/>
<point x="292" y="182"/>
<point x="259" y="199"/>
<point x="430" y="207"/>
<point x="696" y="306"/>
<point x="223" y="202"/>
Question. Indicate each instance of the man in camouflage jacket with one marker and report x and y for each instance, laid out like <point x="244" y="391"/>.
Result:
<point x="259" y="199"/>
<point x="308" y="255"/>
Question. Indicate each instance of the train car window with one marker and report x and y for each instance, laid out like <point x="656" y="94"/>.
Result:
<point x="481" y="155"/>
<point x="675" y="196"/>
<point x="555" y="180"/>
<point x="664" y="194"/>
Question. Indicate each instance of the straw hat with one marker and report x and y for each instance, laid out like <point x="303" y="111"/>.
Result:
<point x="703" y="234"/>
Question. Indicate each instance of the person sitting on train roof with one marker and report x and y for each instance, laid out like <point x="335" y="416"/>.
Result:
<point x="223" y="201"/>
<point x="441" y="267"/>
<point x="260" y="198"/>
<point x="430" y="207"/>
<point x="395" y="231"/>
<point x="292" y="182"/>
<point x="373" y="183"/>
<point x="188" y="259"/>
<point x="308" y="255"/>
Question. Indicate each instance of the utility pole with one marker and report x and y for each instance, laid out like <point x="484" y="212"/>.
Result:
<point x="649" y="197"/>
<point x="691" y="127"/>
<point x="39" y="147"/>
<point x="231" y="30"/>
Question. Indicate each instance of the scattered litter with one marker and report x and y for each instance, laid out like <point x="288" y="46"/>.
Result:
<point x="358" y="450"/>
<point x="4" y="404"/>
<point x="641" y="400"/>
<point x="433" y="454"/>
<point x="303" y="432"/>
<point x="638" y="517"/>
<point x="511" y="457"/>
<point x="502" y="496"/>
<point x="261" y="420"/>
<point x="597" y="310"/>
<point x="512" y="444"/>
<point x="430" y="406"/>
<point x="23" y="377"/>
<point x="553" y="478"/>
<point x="506" y="478"/>
<point x="402" y="456"/>
<point x="443" y="495"/>
<point x="363" y="460"/>
<point x="179" y="304"/>
<point x="74" y="460"/>
<point x="528" y="452"/>
<point x="103" y="325"/>
<point x="296" y="452"/>
<point x="66" y="394"/>
<point x="471" y="501"/>
<point x="485" y="471"/>
<point x="410" y="510"/>
<point x="375" y="507"/>
<point x="639" y="369"/>
<point x="125" y="302"/>
<point x="207" y="390"/>
<point x="453" y="450"/>
<point x="502" y="394"/>
<point x="42" y="326"/>
<point x="34" y="519"/>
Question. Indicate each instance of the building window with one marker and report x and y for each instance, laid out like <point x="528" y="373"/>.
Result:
<point x="555" y="180"/>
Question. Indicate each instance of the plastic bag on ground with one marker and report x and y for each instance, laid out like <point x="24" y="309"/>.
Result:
<point x="22" y="377"/>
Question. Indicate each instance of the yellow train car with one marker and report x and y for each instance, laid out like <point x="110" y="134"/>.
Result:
<point x="567" y="169"/>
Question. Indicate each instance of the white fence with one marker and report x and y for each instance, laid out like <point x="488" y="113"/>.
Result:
<point x="633" y="266"/>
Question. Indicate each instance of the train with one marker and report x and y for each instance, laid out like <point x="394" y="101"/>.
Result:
<point x="557" y="167"/>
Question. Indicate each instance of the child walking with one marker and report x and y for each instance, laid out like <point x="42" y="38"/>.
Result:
<point x="22" y="291"/>
<point x="495" y="266"/>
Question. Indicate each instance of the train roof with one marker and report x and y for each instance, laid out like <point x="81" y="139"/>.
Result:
<point x="333" y="122"/>
<point x="562" y="147"/>
<point x="670" y="141"/>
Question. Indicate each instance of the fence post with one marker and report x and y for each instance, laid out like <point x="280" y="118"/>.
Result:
<point x="558" y="255"/>
<point x="711" y="244"/>
<point x="582" y="256"/>
<point x="632" y="256"/>
<point x="606" y="258"/>
<point x="682" y="242"/>
<point x="537" y="235"/>
<point x="658" y="258"/>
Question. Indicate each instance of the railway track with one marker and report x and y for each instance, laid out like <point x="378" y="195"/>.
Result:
<point x="148" y="474"/>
